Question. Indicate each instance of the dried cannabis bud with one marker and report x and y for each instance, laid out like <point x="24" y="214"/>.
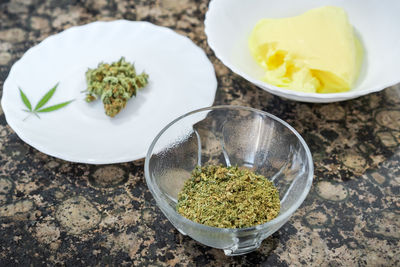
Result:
<point x="115" y="84"/>
<point x="228" y="197"/>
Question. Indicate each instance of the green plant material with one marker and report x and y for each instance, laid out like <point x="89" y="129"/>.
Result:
<point x="55" y="107"/>
<point x="114" y="84"/>
<point x="228" y="197"/>
<point x="38" y="108"/>
<point x="46" y="97"/>
<point x="25" y="100"/>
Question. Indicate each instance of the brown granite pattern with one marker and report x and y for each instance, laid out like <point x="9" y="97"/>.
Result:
<point x="57" y="213"/>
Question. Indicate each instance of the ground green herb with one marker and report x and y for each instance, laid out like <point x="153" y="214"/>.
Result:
<point x="228" y="197"/>
<point x="115" y="84"/>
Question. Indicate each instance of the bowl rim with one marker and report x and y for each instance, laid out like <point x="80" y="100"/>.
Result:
<point x="155" y="191"/>
<point x="280" y="91"/>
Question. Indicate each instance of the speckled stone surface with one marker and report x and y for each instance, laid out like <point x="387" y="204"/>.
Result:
<point x="54" y="212"/>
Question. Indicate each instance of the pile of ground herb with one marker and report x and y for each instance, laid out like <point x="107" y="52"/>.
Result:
<point x="115" y="84"/>
<point x="228" y="197"/>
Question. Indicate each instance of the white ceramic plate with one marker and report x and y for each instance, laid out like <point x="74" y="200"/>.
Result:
<point x="181" y="79"/>
<point x="228" y="25"/>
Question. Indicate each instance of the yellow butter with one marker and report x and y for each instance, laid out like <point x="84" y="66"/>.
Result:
<point x="315" y="52"/>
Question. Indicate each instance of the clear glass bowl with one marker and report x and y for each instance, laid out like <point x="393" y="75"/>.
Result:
<point x="229" y="135"/>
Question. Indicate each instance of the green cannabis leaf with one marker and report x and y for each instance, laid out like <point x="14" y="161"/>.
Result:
<point x="41" y="103"/>
<point x="46" y="98"/>
<point x="55" y="107"/>
<point x="25" y="100"/>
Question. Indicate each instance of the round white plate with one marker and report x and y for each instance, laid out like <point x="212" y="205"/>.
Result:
<point x="181" y="79"/>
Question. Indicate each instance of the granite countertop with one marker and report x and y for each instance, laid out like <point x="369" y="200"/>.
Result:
<point x="53" y="212"/>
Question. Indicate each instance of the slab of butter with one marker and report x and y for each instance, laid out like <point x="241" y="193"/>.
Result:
<point x="316" y="52"/>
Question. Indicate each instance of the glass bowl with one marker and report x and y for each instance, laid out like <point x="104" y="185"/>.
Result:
<point x="229" y="135"/>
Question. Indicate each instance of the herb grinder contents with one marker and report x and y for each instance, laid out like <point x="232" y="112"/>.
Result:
<point x="115" y="84"/>
<point x="228" y="197"/>
<point x="315" y="52"/>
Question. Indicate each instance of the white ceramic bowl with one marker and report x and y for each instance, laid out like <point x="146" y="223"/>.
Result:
<point x="228" y="25"/>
